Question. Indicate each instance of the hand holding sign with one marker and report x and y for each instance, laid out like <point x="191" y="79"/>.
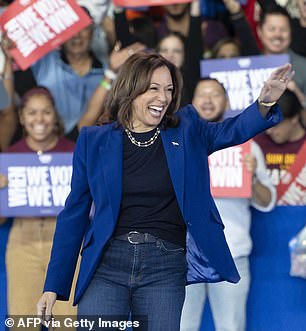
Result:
<point x="3" y="181"/>
<point x="276" y="84"/>
<point x="38" y="26"/>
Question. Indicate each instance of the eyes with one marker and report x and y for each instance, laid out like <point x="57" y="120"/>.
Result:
<point x="34" y="112"/>
<point x="155" y="88"/>
<point x="176" y="51"/>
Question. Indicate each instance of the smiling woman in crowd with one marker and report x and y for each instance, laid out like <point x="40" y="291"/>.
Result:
<point x="30" y="238"/>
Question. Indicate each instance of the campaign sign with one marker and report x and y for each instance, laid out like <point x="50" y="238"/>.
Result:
<point x="38" y="185"/>
<point x="228" y="176"/>
<point x="141" y="3"/>
<point x="291" y="191"/>
<point x="39" y="26"/>
<point x="242" y="77"/>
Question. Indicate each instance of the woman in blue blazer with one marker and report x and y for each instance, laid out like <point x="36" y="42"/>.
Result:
<point x="155" y="227"/>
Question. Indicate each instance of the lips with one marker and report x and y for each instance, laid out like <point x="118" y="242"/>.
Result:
<point x="156" y="110"/>
<point x="277" y="42"/>
<point x="39" y="129"/>
<point x="207" y="110"/>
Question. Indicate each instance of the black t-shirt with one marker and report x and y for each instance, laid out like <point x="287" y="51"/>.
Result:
<point x="298" y="43"/>
<point x="149" y="203"/>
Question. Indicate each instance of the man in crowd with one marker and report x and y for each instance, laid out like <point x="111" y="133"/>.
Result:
<point x="228" y="301"/>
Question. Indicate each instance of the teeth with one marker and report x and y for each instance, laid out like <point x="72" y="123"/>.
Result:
<point x="39" y="128"/>
<point x="276" y="41"/>
<point x="156" y="108"/>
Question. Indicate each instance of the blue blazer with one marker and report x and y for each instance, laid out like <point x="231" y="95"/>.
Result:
<point x="97" y="176"/>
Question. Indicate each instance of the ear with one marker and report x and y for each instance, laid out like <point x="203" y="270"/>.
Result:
<point x="259" y="32"/>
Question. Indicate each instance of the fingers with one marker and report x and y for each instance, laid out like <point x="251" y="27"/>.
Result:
<point x="3" y="181"/>
<point x="134" y="48"/>
<point x="45" y="305"/>
<point x="117" y="46"/>
<point x="291" y="75"/>
<point x="283" y="73"/>
<point x="250" y="163"/>
<point x="41" y="307"/>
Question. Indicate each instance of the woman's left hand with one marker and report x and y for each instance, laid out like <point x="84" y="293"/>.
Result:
<point x="276" y="84"/>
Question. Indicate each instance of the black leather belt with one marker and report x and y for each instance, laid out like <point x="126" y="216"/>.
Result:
<point x="135" y="237"/>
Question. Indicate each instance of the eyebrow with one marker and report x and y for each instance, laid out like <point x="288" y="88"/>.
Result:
<point x="171" y="84"/>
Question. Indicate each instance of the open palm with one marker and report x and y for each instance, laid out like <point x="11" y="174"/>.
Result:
<point x="276" y="84"/>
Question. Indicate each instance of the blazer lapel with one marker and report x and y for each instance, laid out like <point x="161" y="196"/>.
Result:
<point x="111" y="163"/>
<point x="173" y="142"/>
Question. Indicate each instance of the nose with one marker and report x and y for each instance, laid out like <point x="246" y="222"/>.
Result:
<point x="39" y="117"/>
<point x="162" y="96"/>
<point x="207" y="98"/>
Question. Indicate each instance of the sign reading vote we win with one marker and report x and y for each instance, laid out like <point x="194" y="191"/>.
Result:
<point x="38" y="26"/>
<point x="228" y="176"/>
<point x="242" y="77"/>
<point x="38" y="185"/>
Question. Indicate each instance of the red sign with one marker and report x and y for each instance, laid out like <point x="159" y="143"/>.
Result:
<point x="141" y="3"/>
<point x="228" y="176"/>
<point x="291" y="191"/>
<point x="38" y="26"/>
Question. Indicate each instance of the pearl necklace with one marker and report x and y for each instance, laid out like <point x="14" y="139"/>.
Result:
<point x="147" y="143"/>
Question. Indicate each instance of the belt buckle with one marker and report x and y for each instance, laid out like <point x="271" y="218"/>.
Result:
<point x="129" y="238"/>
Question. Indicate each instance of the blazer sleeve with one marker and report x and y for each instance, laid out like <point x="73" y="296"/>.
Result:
<point x="71" y="226"/>
<point x="239" y="129"/>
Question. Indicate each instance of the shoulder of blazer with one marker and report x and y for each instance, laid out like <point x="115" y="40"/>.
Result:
<point x="189" y="117"/>
<point x="96" y="132"/>
<point x="188" y="110"/>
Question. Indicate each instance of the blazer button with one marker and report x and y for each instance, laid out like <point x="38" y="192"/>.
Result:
<point x="189" y="223"/>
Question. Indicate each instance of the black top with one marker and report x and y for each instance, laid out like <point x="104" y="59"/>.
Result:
<point x="149" y="203"/>
<point x="298" y="43"/>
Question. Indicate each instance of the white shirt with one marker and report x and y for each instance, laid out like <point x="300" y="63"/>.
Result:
<point x="236" y="214"/>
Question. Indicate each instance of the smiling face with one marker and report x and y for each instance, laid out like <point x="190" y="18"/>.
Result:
<point x="275" y="34"/>
<point x="79" y="43"/>
<point x="172" y="49"/>
<point x="228" y="50"/>
<point x="176" y="10"/>
<point x="210" y="100"/>
<point x="149" y="108"/>
<point x="39" y="119"/>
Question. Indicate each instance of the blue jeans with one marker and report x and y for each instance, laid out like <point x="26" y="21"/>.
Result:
<point x="146" y="281"/>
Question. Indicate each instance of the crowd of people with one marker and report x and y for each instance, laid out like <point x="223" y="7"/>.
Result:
<point x="91" y="79"/>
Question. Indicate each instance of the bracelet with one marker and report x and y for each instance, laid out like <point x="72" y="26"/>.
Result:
<point x="110" y="74"/>
<point x="106" y="85"/>
<point x="266" y="104"/>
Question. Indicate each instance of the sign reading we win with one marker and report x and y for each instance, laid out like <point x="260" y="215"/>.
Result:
<point x="38" y="26"/>
<point x="242" y="77"/>
<point x="229" y="177"/>
<point x="38" y="185"/>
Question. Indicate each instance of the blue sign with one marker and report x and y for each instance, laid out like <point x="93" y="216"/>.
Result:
<point x="242" y="77"/>
<point x="38" y="185"/>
